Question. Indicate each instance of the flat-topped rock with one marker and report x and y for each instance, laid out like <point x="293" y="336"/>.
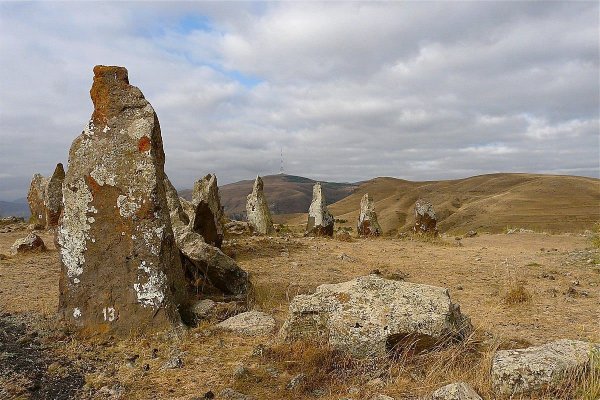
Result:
<point x="250" y="323"/>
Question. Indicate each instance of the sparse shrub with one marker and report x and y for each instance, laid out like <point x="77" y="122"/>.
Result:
<point x="517" y="293"/>
<point x="340" y="221"/>
<point x="595" y="238"/>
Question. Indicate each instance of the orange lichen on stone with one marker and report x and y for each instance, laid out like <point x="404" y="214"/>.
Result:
<point x="92" y="184"/>
<point x="144" y="144"/>
<point x="105" y="92"/>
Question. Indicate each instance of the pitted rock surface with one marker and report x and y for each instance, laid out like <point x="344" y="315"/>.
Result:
<point x="369" y="316"/>
<point x="320" y="221"/>
<point x="455" y="391"/>
<point x="31" y="242"/>
<point x="249" y="323"/>
<point x="425" y="219"/>
<point x="525" y="370"/>
<point x="257" y="210"/>
<point x="206" y="266"/>
<point x="35" y="199"/>
<point x="121" y="270"/>
<point x="53" y="196"/>
<point x="367" y="219"/>
<point x="207" y="216"/>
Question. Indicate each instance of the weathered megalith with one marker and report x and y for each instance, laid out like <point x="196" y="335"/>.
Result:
<point x="520" y="371"/>
<point x="35" y="199"/>
<point x="320" y="221"/>
<point x="425" y="219"/>
<point x="455" y="391"/>
<point x="367" y="219"/>
<point x="208" y="270"/>
<point x="257" y="209"/>
<point x="121" y="270"/>
<point x="370" y="316"/>
<point x="31" y="242"/>
<point x="207" y="216"/>
<point x="53" y="196"/>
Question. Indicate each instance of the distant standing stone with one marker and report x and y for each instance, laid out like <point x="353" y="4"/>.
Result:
<point x="425" y="219"/>
<point x="35" y="199"/>
<point x="53" y="196"/>
<point x="320" y="221"/>
<point x="257" y="209"/>
<point x="367" y="219"/>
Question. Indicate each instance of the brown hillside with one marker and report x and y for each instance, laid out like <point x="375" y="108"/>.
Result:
<point x="286" y="194"/>
<point x="489" y="203"/>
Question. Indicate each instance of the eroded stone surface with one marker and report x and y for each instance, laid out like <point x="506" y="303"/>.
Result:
<point x="207" y="216"/>
<point x="455" y="391"/>
<point x="250" y="323"/>
<point x="367" y="219"/>
<point x="425" y="219"/>
<point x="31" y="242"/>
<point x="35" y="199"/>
<point x="257" y="210"/>
<point x="53" y="196"/>
<point x="121" y="270"/>
<point x="320" y="221"/>
<point x="369" y="316"/>
<point x="526" y="370"/>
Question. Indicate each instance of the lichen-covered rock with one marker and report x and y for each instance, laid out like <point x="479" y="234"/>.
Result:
<point x="367" y="219"/>
<point x="53" y="196"/>
<point x="238" y="228"/>
<point x="425" y="219"/>
<point x="320" y="221"/>
<point x="121" y="270"/>
<point x="455" y="391"/>
<point x="257" y="210"/>
<point x="526" y="370"/>
<point x="370" y="316"/>
<point x="35" y="199"/>
<point x="250" y="323"/>
<point x="206" y="266"/>
<point x="207" y="216"/>
<point x="31" y="242"/>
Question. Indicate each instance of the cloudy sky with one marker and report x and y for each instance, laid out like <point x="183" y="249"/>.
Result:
<point x="350" y="91"/>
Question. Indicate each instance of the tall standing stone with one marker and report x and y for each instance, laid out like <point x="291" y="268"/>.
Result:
<point x="257" y="209"/>
<point x="425" y="219"/>
<point x="207" y="216"/>
<point x="53" y="196"/>
<point x="320" y="221"/>
<point x="121" y="271"/>
<point x="367" y="219"/>
<point x="35" y="199"/>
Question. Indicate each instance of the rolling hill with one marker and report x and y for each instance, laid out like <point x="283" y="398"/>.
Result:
<point x="489" y="203"/>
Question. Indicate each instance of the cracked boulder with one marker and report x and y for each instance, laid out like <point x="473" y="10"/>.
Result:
<point x="425" y="219"/>
<point x="120" y="268"/>
<point x="516" y="372"/>
<point x="371" y="316"/>
<point x="367" y="219"/>
<point x="320" y="221"/>
<point x="257" y="210"/>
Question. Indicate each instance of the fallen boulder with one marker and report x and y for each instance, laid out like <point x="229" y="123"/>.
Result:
<point x="31" y="242"/>
<point x="121" y="271"/>
<point x="320" y="221"/>
<point x="370" y="316"/>
<point x="257" y="209"/>
<point x="425" y="219"/>
<point x="525" y="370"/>
<point x="455" y="391"/>
<point x="367" y="219"/>
<point x="250" y="323"/>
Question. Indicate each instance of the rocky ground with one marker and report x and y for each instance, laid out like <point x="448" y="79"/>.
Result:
<point x="520" y="289"/>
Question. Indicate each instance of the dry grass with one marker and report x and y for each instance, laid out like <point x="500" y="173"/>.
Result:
<point x="516" y="293"/>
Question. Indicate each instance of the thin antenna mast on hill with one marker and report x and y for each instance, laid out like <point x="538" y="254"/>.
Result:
<point x="281" y="166"/>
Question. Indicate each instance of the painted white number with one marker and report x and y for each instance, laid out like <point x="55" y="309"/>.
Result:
<point x="109" y="314"/>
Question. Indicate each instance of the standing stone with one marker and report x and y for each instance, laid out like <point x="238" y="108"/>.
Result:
<point x="35" y="198"/>
<point x="53" y="196"/>
<point x="257" y="209"/>
<point x="320" y="221"/>
<point x="207" y="216"/>
<point x="367" y="219"/>
<point x="425" y="219"/>
<point x="121" y="271"/>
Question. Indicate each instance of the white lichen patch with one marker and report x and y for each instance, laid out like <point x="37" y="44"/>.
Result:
<point x="73" y="232"/>
<point x="150" y="293"/>
<point x="127" y="206"/>
<point x="141" y="127"/>
<point x="102" y="176"/>
<point x="88" y="130"/>
<point x="106" y="129"/>
<point x="76" y="312"/>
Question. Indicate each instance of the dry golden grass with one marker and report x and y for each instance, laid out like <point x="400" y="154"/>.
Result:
<point x="516" y="293"/>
